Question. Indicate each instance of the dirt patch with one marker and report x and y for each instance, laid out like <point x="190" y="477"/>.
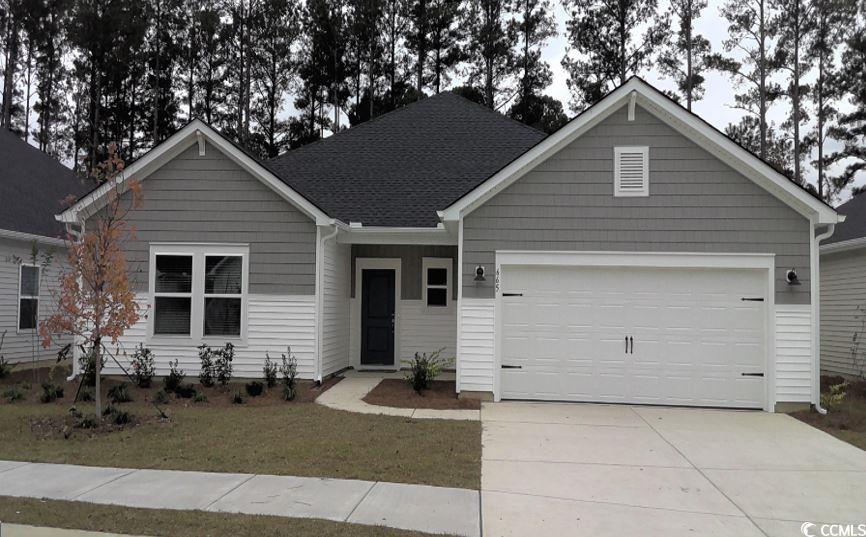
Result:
<point x="398" y="393"/>
<point x="845" y="420"/>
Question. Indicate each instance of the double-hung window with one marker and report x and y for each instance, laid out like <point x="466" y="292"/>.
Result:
<point x="199" y="291"/>
<point x="28" y="297"/>
<point x="436" y="281"/>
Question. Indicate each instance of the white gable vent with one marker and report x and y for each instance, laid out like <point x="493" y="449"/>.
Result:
<point x="631" y="171"/>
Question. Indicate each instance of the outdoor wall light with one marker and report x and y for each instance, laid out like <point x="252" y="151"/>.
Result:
<point x="791" y="277"/>
<point x="479" y="274"/>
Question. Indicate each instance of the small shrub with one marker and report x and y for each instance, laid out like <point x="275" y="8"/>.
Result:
<point x="206" y="374"/>
<point x="119" y="393"/>
<point x="160" y="397"/>
<point x="223" y="363"/>
<point x="121" y="417"/>
<point x="834" y="398"/>
<point x="87" y="363"/>
<point x="175" y="377"/>
<point x="142" y="366"/>
<point x="238" y="399"/>
<point x="5" y="367"/>
<point x="86" y="422"/>
<point x="26" y="386"/>
<point x="187" y="391"/>
<point x="199" y="398"/>
<point x="13" y="394"/>
<point x="85" y="395"/>
<point x="50" y="392"/>
<point x="424" y="368"/>
<point x="254" y="388"/>
<point x="289" y="371"/>
<point x="270" y="371"/>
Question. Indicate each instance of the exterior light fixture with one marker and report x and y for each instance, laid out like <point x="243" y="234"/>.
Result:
<point x="791" y="277"/>
<point x="479" y="274"/>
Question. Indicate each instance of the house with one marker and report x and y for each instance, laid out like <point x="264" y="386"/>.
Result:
<point x="33" y="187"/>
<point x="636" y="255"/>
<point x="843" y="293"/>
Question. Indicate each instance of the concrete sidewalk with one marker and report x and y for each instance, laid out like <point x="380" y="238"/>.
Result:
<point x="411" y="507"/>
<point x="348" y="395"/>
<point x="21" y="530"/>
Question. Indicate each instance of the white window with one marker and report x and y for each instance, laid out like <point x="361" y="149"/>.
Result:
<point x="28" y="297"/>
<point x="436" y="281"/>
<point x="199" y="291"/>
<point x="631" y="171"/>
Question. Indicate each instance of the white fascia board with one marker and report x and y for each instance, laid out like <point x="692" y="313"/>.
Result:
<point x="175" y="145"/>
<point x="397" y="235"/>
<point x="844" y="246"/>
<point x="687" y="123"/>
<point x="30" y="237"/>
<point x="636" y="259"/>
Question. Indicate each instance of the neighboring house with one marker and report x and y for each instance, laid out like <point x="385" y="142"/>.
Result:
<point x="843" y="293"/>
<point x="33" y="187"/>
<point x="636" y="255"/>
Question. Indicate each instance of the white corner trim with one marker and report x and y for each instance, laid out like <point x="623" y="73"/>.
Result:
<point x="29" y="237"/>
<point x="194" y="132"/>
<point x="679" y="118"/>
<point x="843" y="246"/>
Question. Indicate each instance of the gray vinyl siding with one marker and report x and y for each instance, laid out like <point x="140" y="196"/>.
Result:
<point x="410" y="268"/>
<point x="212" y="199"/>
<point x="696" y="204"/>
<point x="22" y="346"/>
<point x="843" y="290"/>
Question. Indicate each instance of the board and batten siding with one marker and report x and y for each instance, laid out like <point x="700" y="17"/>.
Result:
<point x="24" y="345"/>
<point x="274" y="322"/>
<point x="793" y="353"/>
<point x="843" y="290"/>
<point x="211" y="199"/>
<point x="335" y="302"/>
<point x="696" y="203"/>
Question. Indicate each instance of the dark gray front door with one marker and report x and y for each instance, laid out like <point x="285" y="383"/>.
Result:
<point x="377" y="317"/>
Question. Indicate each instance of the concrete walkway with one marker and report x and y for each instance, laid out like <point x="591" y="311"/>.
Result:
<point x="348" y="395"/>
<point x="617" y="470"/>
<point x="411" y="507"/>
<point x="20" y="530"/>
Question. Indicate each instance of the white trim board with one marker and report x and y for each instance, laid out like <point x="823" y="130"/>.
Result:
<point x="765" y="262"/>
<point x="29" y="237"/>
<point x="679" y="118"/>
<point x="843" y="246"/>
<point x="193" y="133"/>
<point x="368" y="263"/>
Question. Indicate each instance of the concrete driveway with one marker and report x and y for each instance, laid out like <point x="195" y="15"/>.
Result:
<point x="599" y="470"/>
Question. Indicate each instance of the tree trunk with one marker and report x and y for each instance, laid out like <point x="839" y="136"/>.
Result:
<point x="689" y="53"/>
<point x="762" y="80"/>
<point x="11" y="64"/>
<point x="97" y="371"/>
<point x="795" y="95"/>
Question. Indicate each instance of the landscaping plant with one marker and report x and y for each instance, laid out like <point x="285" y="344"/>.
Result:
<point x="13" y="394"/>
<point x="270" y="371"/>
<point x="160" y="397"/>
<point x="199" y="398"/>
<point x="119" y="393"/>
<point x="238" y="399"/>
<point x="142" y="366"/>
<point x="175" y="377"/>
<point x="50" y="392"/>
<point x="289" y="371"/>
<point x="835" y="396"/>
<point x="424" y="368"/>
<point x="88" y="370"/>
<point x="5" y="368"/>
<point x="223" y="363"/>
<point x="254" y="388"/>
<point x="205" y="356"/>
<point x="185" y="391"/>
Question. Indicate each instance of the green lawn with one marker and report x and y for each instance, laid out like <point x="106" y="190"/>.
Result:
<point x="303" y="439"/>
<point x="85" y="516"/>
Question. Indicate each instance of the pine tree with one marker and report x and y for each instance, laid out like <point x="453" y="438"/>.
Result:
<point x="748" y="134"/>
<point x="530" y="30"/>
<point x="395" y="23"/>
<point x="684" y="58"/>
<point x="417" y="41"/>
<point x="609" y="41"/>
<point x="13" y="16"/>
<point x="749" y="35"/>
<point x="851" y="126"/>
<point x="490" y="53"/>
<point x="446" y="40"/>
<point x="166" y="26"/>
<point x="210" y="63"/>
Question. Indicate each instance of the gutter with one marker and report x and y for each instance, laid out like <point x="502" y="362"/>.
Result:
<point x="76" y="234"/>
<point x="320" y="299"/>
<point x="816" y="317"/>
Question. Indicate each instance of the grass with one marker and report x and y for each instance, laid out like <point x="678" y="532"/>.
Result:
<point x="302" y="439"/>
<point x="845" y="420"/>
<point x="86" y="516"/>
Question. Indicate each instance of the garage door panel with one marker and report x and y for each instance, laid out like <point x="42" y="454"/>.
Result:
<point x="693" y="335"/>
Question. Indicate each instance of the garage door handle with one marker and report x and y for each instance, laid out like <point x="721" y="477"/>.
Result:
<point x="752" y="374"/>
<point x="504" y="366"/>
<point x="512" y="294"/>
<point x="626" y="344"/>
<point x="631" y="340"/>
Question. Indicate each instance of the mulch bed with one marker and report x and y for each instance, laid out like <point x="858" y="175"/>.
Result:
<point x="847" y="420"/>
<point x="398" y="393"/>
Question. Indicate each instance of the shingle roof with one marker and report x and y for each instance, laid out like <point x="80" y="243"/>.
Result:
<point x="33" y="186"/>
<point x="400" y="168"/>
<point x="854" y="225"/>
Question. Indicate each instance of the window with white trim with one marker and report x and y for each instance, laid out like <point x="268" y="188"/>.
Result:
<point x="199" y="291"/>
<point x="631" y="171"/>
<point x="436" y="281"/>
<point x="28" y="297"/>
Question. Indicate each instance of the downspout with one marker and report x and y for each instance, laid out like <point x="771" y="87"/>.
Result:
<point x="320" y="302"/>
<point x="816" y="317"/>
<point x="76" y="235"/>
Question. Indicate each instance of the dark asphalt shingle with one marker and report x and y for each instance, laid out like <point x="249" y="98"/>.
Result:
<point x="400" y="168"/>
<point x="854" y="226"/>
<point x="33" y="186"/>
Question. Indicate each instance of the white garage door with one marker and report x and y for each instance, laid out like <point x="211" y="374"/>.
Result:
<point x="634" y="335"/>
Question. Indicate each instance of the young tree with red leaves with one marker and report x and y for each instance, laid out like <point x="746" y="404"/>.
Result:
<point x="95" y="302"/>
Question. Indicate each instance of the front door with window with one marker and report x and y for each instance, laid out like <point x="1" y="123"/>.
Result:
<point x="377" y="317"/>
